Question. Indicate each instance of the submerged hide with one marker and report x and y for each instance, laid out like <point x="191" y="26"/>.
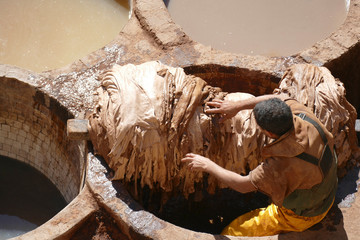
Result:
<point x="150" y="115"/>
<point x="317" y="89"/>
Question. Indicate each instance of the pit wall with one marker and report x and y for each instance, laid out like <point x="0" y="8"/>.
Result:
<point x="33" y="131"/>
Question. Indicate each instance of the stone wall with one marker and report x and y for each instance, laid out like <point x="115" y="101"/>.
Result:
<point x="33" y="130"/>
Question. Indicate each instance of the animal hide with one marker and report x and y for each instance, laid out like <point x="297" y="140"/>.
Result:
<point x="317" y="89"/>
<point x="150" y="115"/>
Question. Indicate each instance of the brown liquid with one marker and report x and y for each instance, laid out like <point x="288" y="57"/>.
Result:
<point x="42" y="35"/>
<point x="259" y="27"/>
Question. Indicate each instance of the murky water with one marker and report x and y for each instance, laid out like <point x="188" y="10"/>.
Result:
<point x="348" y="187"/>
<point x="46" y="34"/>
<point x="12" y="226"/>
<point x="259" y="27"/>
<point x="27" y="198"/>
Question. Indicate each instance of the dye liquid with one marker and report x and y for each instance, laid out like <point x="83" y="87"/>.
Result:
<point x="259" y="27"/>
<point x="27" y="198"/>
<point x="43" y="35"/>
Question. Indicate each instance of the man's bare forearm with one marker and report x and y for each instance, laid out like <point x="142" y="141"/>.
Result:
<point x="250" y="103"/>
<point x="233" y="180"/>
<point x="228" y="109"/>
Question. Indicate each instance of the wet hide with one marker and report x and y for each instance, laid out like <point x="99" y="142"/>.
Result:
<point x="150" y="115"/>
<point x="325" y="95"/>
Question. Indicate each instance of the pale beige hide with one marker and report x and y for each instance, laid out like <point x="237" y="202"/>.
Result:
<point x="149" y="116"/>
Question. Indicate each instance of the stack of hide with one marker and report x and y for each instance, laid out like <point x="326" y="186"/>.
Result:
<point x="317" y="89"/>
<point x="150" y="115"/>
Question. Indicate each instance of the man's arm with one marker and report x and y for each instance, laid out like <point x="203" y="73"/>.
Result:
<point x="229" y="109"/>
<point x="233" y="180"/>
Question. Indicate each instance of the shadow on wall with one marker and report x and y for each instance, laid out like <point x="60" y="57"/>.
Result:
<point x="166" y="2"/>
<point x="346" y="68"/>
<point x="234" y="79"/>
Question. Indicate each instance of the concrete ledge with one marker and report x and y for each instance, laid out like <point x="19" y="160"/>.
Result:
<point x="77" y="129"/>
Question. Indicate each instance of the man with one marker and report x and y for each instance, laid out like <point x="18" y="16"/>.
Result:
<point x="298" y="170"/>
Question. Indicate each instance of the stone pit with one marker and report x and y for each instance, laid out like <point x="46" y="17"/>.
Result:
<point x="35" y="108"/>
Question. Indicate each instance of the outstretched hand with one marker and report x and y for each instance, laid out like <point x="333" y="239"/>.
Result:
<point x="232" y="179"/>
<point x="226" y="109"/>
<point x="198" y="162"/>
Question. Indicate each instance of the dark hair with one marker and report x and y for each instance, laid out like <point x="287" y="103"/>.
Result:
<point x="274" y="115"/>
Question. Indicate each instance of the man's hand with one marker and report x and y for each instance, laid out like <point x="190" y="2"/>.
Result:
<point x="226" y="109"/>
<point x="198" y="163"/>
<point x="232" y="179"/>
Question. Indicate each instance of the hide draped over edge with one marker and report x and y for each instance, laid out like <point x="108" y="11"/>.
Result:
<point x="317" y="89"/>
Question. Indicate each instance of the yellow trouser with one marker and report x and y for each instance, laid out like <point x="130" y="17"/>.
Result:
<point x="270" y="221"/>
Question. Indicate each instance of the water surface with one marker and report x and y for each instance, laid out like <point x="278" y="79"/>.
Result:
<point x="259" y="27"/>
<point x="27" y="198"/>
<point x="46" y="34"/>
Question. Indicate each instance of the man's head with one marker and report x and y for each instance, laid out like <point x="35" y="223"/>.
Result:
<point x="274" y="116"/>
